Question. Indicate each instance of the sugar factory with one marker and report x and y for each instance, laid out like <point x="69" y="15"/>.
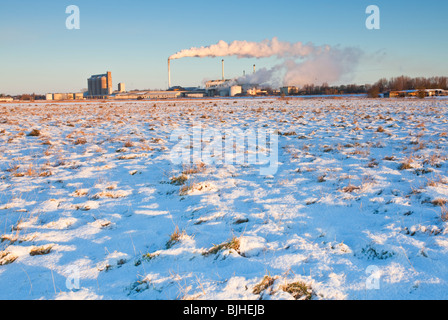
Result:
<point x="100" y="87"/>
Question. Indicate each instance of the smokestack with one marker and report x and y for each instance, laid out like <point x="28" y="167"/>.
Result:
<point x="223" y="70"/>
<point x="169" y="73"/>
<point x="254" y="68"/>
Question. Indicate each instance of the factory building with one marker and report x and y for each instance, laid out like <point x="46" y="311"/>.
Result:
<point x="100" y="85"/>
<point x="64" y="96"/>
<point x="256" y="92"/>
<point x="146" y="95"/>
<point x="231" y="91"/>
<point x="218" y="87"/>
<point x="415" y="93"/>
<point x="287" y="91"/>
<point x="121" y="87"/>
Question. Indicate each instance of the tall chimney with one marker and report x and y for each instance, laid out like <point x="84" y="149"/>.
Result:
<point x="223" y="70"/>
<point x="169" y="73"/>
<point x="254" y="68"/>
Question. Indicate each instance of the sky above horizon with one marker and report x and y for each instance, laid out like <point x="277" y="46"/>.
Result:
<point x="133" y="39"/>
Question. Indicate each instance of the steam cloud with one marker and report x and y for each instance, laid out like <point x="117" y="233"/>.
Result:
<point x="245" y="49"/>
<point x="318" y="64"/>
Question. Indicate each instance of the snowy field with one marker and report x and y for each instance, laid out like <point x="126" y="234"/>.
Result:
<point x="93" y="207"/>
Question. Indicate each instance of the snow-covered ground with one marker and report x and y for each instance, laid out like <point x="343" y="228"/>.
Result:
<point x="92" y="207"/>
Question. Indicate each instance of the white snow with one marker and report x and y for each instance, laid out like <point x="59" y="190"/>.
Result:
<point x="96" y="190"/>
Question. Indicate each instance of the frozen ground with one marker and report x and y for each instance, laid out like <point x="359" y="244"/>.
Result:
<point x="355" y="210"/>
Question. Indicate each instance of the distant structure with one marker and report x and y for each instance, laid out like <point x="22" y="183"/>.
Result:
<point x="6" y="99"/>
<point x="142" y="95"/>
<point x="288" y="91"/>
<point x="100" y="85"/>
<point x="415" y="93"/>
<point x="64" y="96"/>
<point x="121" y="87"/>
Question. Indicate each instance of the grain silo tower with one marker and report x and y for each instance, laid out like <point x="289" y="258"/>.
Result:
<point x="100" y="85"/>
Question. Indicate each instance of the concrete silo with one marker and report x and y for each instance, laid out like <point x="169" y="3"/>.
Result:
<point x="234" y="90"/>
<point x="103" y="81"/>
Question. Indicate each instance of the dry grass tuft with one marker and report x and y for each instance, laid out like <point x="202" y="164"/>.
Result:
<point x="129" y="144"/>
<point x="232" y="244"/>
<point x="299" y="290"/>
<point x="439" y="202"/>
<point x="444" y="213"/>
<point x="180" y="180"/>
<point x="34" y="133"/>
<point x="175" y="237"/>
<point x="195" y="168"/>
<point x="267" y="282"/>
<point x="42" y="250"/>
<point x="80" y="141"/>
<point x="350" y="188"/>
<point x="7" y="258"/>
<point x="406" y="164"/>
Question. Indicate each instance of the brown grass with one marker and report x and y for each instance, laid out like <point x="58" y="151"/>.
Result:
<point x="128" y="144"/>
<point x="80" y="141"/>
<point x="7" y="258"/>
<point x="232" y="244"/>
<point x="444" y="213"/>
<point x="195" y="168"/>
<point x="350" y="188"/>
<point x="264" y="284"/>
<point x="34" y="133"/>
<point x="175" y="237"/>
<point x="299" y="290"/>
<point x="180" y="180"/>
<point x="42" y="250"/>
<point x="439" y="202"/>
<point x="406" y="164"/>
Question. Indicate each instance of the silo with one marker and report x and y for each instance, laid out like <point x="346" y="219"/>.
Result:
<point x="104" y="90"/>
<point x="109" y="87"/>
<point x="97" y="86"/>
<point x="90" y="86"/>
<point x="234" y="90"/>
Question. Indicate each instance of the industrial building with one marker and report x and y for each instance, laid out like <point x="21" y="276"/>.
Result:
<point x="287" y="91"/>
<point x="100" y="85"/>
<point x="222" y="87"/>
<point x="415" y="93"/>
<point x="146" y="95"/>
<point x="121" y="87"/>
<point x="64" y="96"/>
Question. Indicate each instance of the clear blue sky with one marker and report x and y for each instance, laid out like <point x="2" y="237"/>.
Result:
<point x="133" y="39"/>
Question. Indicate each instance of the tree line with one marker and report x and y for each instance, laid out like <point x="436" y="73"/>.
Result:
<point x="373" y="90"/>
<point x="407" y="83"/>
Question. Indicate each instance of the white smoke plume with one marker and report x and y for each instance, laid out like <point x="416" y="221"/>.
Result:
<point x="246" y="49"/>
<point x="329" y="66"/>
<point x="300" y="63"/>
